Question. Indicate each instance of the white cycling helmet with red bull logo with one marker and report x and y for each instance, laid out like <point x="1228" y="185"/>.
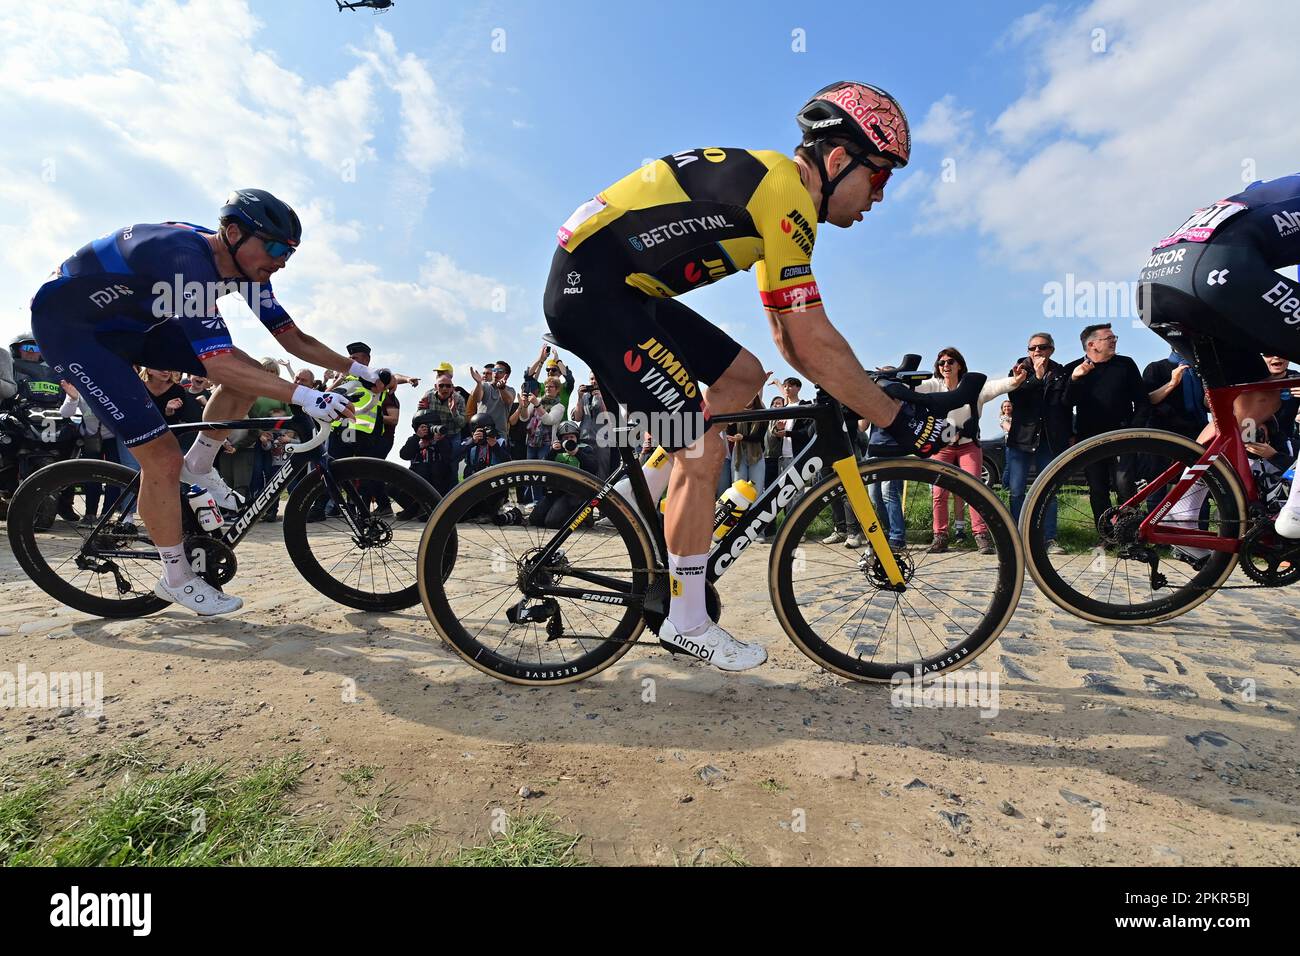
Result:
<point x="864" y="115"/>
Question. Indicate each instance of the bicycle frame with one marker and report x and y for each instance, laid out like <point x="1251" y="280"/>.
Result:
<point x="830" y="444"/>
<point x="234" y="531"/>
<point x="1227" y="444"/>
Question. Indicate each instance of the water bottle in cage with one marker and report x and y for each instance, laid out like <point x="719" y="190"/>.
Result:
<point x="205" y="508"/>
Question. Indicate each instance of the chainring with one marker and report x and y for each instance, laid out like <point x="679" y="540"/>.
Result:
<point x="218" y="564"/>
<point x="1264" y="554"/>
<point x="655" y="612"/>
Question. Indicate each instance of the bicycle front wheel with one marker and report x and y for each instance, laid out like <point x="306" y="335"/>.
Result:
<point x="838" y="606"/>
<point x="1106" y="574"/>
<point x="360" y="551"/>
<point x="514" y="611"/>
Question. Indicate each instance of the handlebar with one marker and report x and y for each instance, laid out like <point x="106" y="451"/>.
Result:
<point x="323" y="430"/>
<point x="900" y="382"/>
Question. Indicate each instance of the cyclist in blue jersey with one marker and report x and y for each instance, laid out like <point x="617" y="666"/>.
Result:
<point x="1210" y="289"/>
<point x="147" y="295"/>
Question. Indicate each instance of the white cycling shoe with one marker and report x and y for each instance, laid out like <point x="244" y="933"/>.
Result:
<point x="199" y="596"/>
<point x="222" y="493"/>
<point x="1288" y="522"/>
<point x="713" y="646"/>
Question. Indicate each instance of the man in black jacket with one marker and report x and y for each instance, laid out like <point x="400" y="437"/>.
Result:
<point x="1106" y="392"/>
<point x="1040" y="426"/>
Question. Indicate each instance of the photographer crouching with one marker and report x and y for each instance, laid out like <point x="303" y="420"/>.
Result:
<point x="567" y="449"/>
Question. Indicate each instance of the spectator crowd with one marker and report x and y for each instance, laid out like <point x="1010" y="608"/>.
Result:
<point x="456" y="429"/>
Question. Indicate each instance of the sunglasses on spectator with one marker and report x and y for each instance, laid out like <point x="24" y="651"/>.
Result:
<point x="1040" y="348"/>
<point x="29" y="347"/>
<point x="275" y="248"/>
<point x="946" y="361"/>
<point x="442" y="386"/>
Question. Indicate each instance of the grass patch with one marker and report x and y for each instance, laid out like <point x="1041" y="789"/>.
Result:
<point x="527" y="841"/>
<point x="772" y="785"/>
<point x="195" y="815"/>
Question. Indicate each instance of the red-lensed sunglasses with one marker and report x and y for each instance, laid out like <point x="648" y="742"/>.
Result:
<point x="879" y="176"/>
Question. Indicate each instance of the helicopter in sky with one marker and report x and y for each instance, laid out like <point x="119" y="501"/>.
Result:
<point x="379" y="6"/>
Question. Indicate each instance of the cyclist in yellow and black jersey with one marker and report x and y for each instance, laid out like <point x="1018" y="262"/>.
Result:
<point x="689" y="219"/>
<point x="694" y="217"/>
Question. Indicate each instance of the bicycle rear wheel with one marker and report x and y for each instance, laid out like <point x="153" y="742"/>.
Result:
<point x="65" y="561"/>
<point x="359" y="552"/>
<point x="838" y="607"/>
<point x="490" y="593"/>
<point x="1106" y="573"/>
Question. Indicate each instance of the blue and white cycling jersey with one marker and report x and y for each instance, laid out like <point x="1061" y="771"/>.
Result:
<point x="144" y="295"/>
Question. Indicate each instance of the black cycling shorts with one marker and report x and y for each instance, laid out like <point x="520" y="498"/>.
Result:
<point x="650" y="354"/>
<point x="1221" y="307"/>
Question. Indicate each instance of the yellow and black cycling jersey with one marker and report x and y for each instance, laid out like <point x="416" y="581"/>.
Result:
<point x="693" y="217"/>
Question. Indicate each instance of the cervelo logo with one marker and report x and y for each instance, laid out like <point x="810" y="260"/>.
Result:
<point x="677" y="229"/>
<point x="1285" y="301"/>
<point x="108" y="294"/>
<point x="1288" y="223"/>
<point x="792" y="483"/>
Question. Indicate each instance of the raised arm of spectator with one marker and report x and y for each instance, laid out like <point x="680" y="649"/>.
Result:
<point x="1157" y="395"/>
<point x="537" y="366"/>
<point x="1000" y="386"/>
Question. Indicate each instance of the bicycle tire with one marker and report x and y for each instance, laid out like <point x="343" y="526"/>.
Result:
<point x="310" y="561"/>
<point x="1222" y="482"/>
<point x="23" y="526"/>
<point x="442" y="533"/>
<point x="1004" y="595"/>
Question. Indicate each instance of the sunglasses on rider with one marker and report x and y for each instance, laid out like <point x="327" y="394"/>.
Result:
<point x="275" y="248"/>
<point x="879" y="174"/>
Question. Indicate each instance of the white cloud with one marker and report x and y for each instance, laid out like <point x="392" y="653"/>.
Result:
<point x="1108" y="151"/>
<point x="194" y="95"/>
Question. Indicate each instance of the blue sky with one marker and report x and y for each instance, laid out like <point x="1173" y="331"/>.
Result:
<point x="434" y="149"/>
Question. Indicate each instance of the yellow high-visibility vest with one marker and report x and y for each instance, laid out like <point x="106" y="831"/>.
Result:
<point x="367" y="414"/>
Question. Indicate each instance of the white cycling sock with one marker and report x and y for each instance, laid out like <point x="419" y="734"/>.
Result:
<point x="176" y="569"/>
<point x="199" y="459"/>
<point x="687" y="611"/>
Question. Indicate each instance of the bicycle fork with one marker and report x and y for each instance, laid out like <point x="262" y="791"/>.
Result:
<point x="855" y="489"/>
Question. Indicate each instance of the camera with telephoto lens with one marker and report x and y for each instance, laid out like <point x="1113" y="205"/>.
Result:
<point x="570" y="445"/>
<point x="509" y="516"/>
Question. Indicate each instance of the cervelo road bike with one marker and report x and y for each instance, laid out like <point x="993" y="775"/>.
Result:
<point x="1194" y="515"/>
<point x="337" y="536"/>
<point x="536" y="606"/>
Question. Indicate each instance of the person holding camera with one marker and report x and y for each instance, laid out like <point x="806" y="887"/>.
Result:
<point x="567" y="448"/>
<point x="482" y="449"/>
<point x="433" y="451"/>
<point x="588" y="412"/>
